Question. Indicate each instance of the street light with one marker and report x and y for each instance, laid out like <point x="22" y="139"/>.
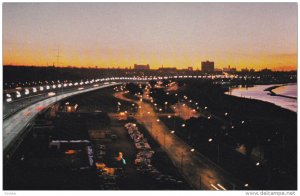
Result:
<point x="182" y="154"/>
<point x="218" y="148"/>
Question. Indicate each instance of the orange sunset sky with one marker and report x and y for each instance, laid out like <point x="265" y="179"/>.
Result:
<point x="252" y="35"/>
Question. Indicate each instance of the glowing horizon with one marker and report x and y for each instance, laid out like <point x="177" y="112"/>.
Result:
<point x="252" y="35"/>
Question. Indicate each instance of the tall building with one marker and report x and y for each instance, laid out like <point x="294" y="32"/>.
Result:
<point x="141" y="67"/>
<point x="207" y="66"/>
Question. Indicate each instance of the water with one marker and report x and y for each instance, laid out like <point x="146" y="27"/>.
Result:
<point x="289" y="90"/>
<point x="257" y="92"/>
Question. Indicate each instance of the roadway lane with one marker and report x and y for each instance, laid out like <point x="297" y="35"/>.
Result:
<point x="199" y="171"/>
<point x="14" y="106"/>
<point x="15" y="124"/>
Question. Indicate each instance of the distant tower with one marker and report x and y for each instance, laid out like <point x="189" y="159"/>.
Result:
<point x="57" y="58"/>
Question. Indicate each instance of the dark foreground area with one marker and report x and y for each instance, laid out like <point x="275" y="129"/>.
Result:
<point x="81" y="144"/>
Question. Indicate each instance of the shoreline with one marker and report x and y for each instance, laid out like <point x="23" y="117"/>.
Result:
<point x="272" y="93"/>
<point x="268" y="93"/>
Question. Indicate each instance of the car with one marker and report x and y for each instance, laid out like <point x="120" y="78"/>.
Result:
<point x="146" y="154"/>
<point x="142" y="146"/>
<point x="113" y="136"/>
<point x="154" y="173"/>
<point x="142" y="161"/>
<point x="101" y="147"/>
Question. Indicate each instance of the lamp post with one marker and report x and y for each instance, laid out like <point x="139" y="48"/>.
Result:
<point x="218" y="149"/>
<point x="182" y="156"/>
<point x="200" y="182"/>
<point x="166" y="103"/>
<point x="164" y="140"/>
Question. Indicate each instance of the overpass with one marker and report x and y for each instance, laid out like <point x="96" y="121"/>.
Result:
<point x="16" y="124"/>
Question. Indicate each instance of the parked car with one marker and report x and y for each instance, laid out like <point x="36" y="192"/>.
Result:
<point x="101" y="147"/>
<point x="113" y="136"/>
<point x="142" y="146"/>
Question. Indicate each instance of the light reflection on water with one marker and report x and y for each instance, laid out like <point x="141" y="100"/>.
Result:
<point x="258" y="92"/>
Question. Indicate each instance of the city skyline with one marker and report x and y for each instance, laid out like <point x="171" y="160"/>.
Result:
<point x="252" y="35"/>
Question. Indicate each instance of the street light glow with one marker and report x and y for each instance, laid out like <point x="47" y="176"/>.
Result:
<point x="219" y="185"/>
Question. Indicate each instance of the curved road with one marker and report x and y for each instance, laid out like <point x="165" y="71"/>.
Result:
<point x="14" y="125"/>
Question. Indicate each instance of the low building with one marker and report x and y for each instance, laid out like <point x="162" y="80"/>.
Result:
<point x="141" y="67"/>
<point x="229" y="69"/>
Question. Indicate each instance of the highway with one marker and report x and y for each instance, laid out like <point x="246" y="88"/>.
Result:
<point x="199" y="171"/>
<point x="15" y="124"/>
